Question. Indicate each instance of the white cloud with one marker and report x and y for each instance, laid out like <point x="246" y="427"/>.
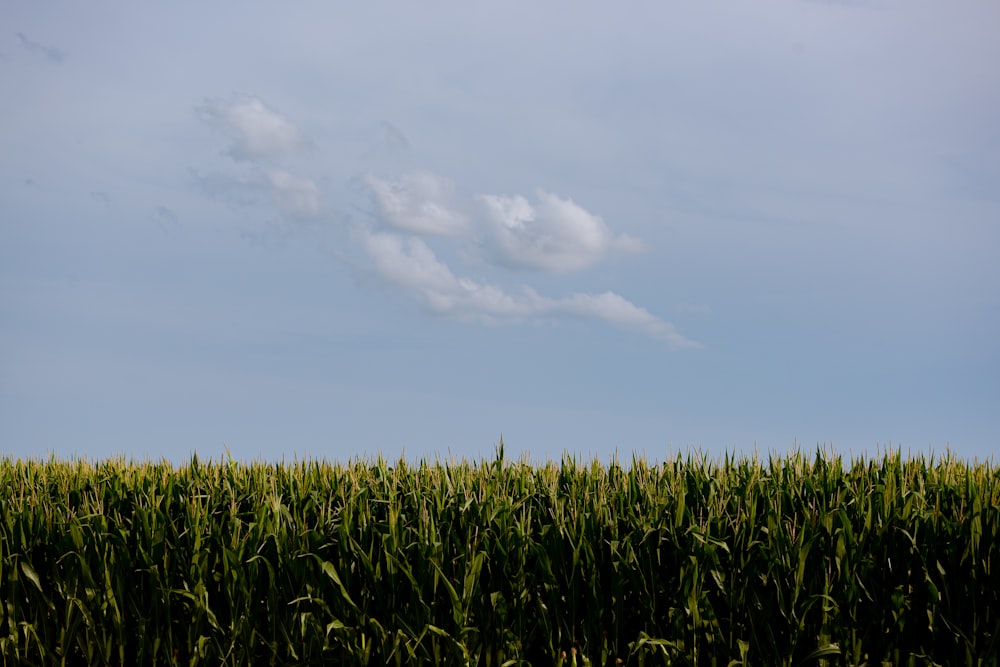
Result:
<point x="554" y="234"/>
<point x="619" y="311"/>
<point x="420" y="202"/>
<point x="410" y="264"/>
<point x="549" y="234"/>
<point x="257" y="131"/>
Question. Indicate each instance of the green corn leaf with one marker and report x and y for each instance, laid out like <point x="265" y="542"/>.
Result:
<point x="331" y="572"/>
<point x="822" y="652"/>
<point x="30" y="574"/>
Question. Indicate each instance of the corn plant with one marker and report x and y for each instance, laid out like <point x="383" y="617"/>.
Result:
<point x="791" y="560"/>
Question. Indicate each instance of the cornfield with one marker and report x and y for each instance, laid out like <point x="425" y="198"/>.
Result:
<point x="795" y="559"/>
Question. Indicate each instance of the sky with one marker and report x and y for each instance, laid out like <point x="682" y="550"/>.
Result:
<point x="278" y="231"/>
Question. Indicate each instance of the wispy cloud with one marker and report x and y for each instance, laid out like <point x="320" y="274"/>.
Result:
<point x="259" y="135"/>
<point x="552" y="234"/>
<point x="420" y="202"/>
<point x="50" y="53"/>
<point x="547" y="233"/>
<point x="257" y="131"/>
<point x="621" y="312"/>
<point x="165" y="218"/>
<point x="394" y="139"/>
<point x="410" y="264"/>
<point x="291" y="196"/>
<point x="294" y="196"/>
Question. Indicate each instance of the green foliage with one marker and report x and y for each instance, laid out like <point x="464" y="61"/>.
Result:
<point x="791" y="561"/>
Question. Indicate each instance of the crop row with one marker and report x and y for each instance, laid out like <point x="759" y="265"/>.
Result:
<point x="740" y="561"/>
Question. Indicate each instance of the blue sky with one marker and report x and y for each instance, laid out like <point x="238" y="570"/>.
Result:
<point x="321" y="229"/>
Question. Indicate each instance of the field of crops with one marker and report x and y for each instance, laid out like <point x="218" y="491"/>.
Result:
<point x="797" y="559"/>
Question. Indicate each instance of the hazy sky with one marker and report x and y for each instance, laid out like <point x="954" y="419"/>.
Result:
<point x="323" y="229"/>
